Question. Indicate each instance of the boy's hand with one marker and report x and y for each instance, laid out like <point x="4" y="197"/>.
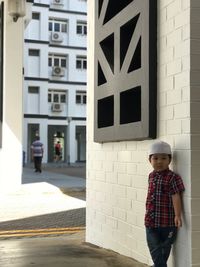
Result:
<point x="178" y="221"/>
<point x="176" y="199"/>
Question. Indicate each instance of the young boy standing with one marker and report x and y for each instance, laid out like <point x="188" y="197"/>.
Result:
<point x="163" y="204"/>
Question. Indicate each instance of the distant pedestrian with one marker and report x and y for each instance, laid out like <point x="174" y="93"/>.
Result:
<point x="57" y="151"/>
<point x="37" y="149"/>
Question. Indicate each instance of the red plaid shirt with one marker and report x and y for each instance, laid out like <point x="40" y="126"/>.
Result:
<point x="159" y="206"/>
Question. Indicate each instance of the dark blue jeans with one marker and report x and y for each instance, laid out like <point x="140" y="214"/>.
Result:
<point x="38" y="163"/>
<point x="160" y="241"/>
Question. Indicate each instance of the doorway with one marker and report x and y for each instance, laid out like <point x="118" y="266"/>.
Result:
<point x="81" y="143"/>
<point x="56" y="133"/>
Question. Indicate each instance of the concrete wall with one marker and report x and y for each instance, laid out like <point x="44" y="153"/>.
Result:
<point x="11" y="151"/>
<point x="117" y="171"/>
<point x="195" y="131"/>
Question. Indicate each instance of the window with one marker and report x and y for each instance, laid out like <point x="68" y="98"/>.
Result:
<point x="81" y="97"/>
<point x="58" y="26"/>
<point x="57" y="96"/>
<point x="63" y="98"/>
<point x="34" y="52"/>
<point x="81" y="28"/>
<point x="81" y="62"/>
<point x="36" y="16"/>
<point x="33" y="90"/>
<point x="49" y="98"/>
<point x="57" y="60"/>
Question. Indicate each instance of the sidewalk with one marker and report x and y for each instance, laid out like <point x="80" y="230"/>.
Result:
<point x="52" y="176"/>
<point x="41" y="196"/>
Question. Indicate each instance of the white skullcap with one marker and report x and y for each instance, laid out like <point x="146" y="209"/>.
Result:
<point x="160" y="147"/>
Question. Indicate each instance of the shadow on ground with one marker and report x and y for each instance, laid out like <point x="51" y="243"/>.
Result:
<point x="70" y="218"/>
<point x="60" y="252"/>
<point x="75" y="170"/>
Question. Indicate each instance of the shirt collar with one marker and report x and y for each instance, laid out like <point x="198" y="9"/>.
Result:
<point x="164" y="172"/>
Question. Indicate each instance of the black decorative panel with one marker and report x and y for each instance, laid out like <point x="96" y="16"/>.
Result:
<point x="126" y="34"/>
<point x="125" y="70"/>
<point x="106" y="112"/>
<point x="136" y="59"/>
<point x="1" y="70"/>
<point x="100" y="6"/>
<point x="101" y="76"/>
<point x="107" y="46"/>
<point x="130" y="105"/>
<point x="114" y="7"/>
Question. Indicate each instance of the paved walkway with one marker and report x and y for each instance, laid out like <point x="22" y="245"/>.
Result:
<point x="75" y="170"/>
<point x="42" y="194"/>
<point x="55" y="202"/>
<point x="61" y="251"/>
<point x="46" y="204"/>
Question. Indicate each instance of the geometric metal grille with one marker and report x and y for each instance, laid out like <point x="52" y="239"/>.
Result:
<point x="125" y="70"/>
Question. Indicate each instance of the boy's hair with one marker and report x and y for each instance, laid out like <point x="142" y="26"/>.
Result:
<point x="169" y="155"/>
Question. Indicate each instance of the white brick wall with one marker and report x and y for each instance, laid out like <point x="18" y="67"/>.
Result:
<point x="115" y="214"/>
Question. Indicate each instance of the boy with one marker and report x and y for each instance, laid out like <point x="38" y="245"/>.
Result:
<point x="163" y="204"/>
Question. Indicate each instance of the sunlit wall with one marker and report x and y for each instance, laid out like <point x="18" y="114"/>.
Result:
<point x="11" y="149"/>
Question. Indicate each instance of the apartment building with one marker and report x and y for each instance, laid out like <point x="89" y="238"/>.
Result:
<point x="55" y="68"/>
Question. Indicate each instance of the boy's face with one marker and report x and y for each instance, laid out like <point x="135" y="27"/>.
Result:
<point x="160" y="162"/>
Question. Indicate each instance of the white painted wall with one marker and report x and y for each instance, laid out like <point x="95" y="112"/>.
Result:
<point x="34" y="30"/>
<point x="117" y="172"/>
<point x="78" y="5"/>
<point x="11" y="151"/>
<point x="36" y="66"/>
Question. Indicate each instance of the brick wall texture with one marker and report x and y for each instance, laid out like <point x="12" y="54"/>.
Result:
<point x="117" y="172"/>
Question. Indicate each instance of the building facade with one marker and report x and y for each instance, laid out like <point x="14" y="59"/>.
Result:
<point x="55" y="65"/>
<point x="117" y="168"/>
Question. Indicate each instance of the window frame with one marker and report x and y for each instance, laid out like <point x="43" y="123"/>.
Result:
<point x="35" y="16"/>
<point x="61" y="59"/>
<point x="82" y="25"/>
<point x="83" y="97"/>
<point x="82" y="61"/>
<point x="62" y="25"/>
<point x="60" y="93"/>
<point x="34" y="52"/>
<point x="33" y="89"/>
